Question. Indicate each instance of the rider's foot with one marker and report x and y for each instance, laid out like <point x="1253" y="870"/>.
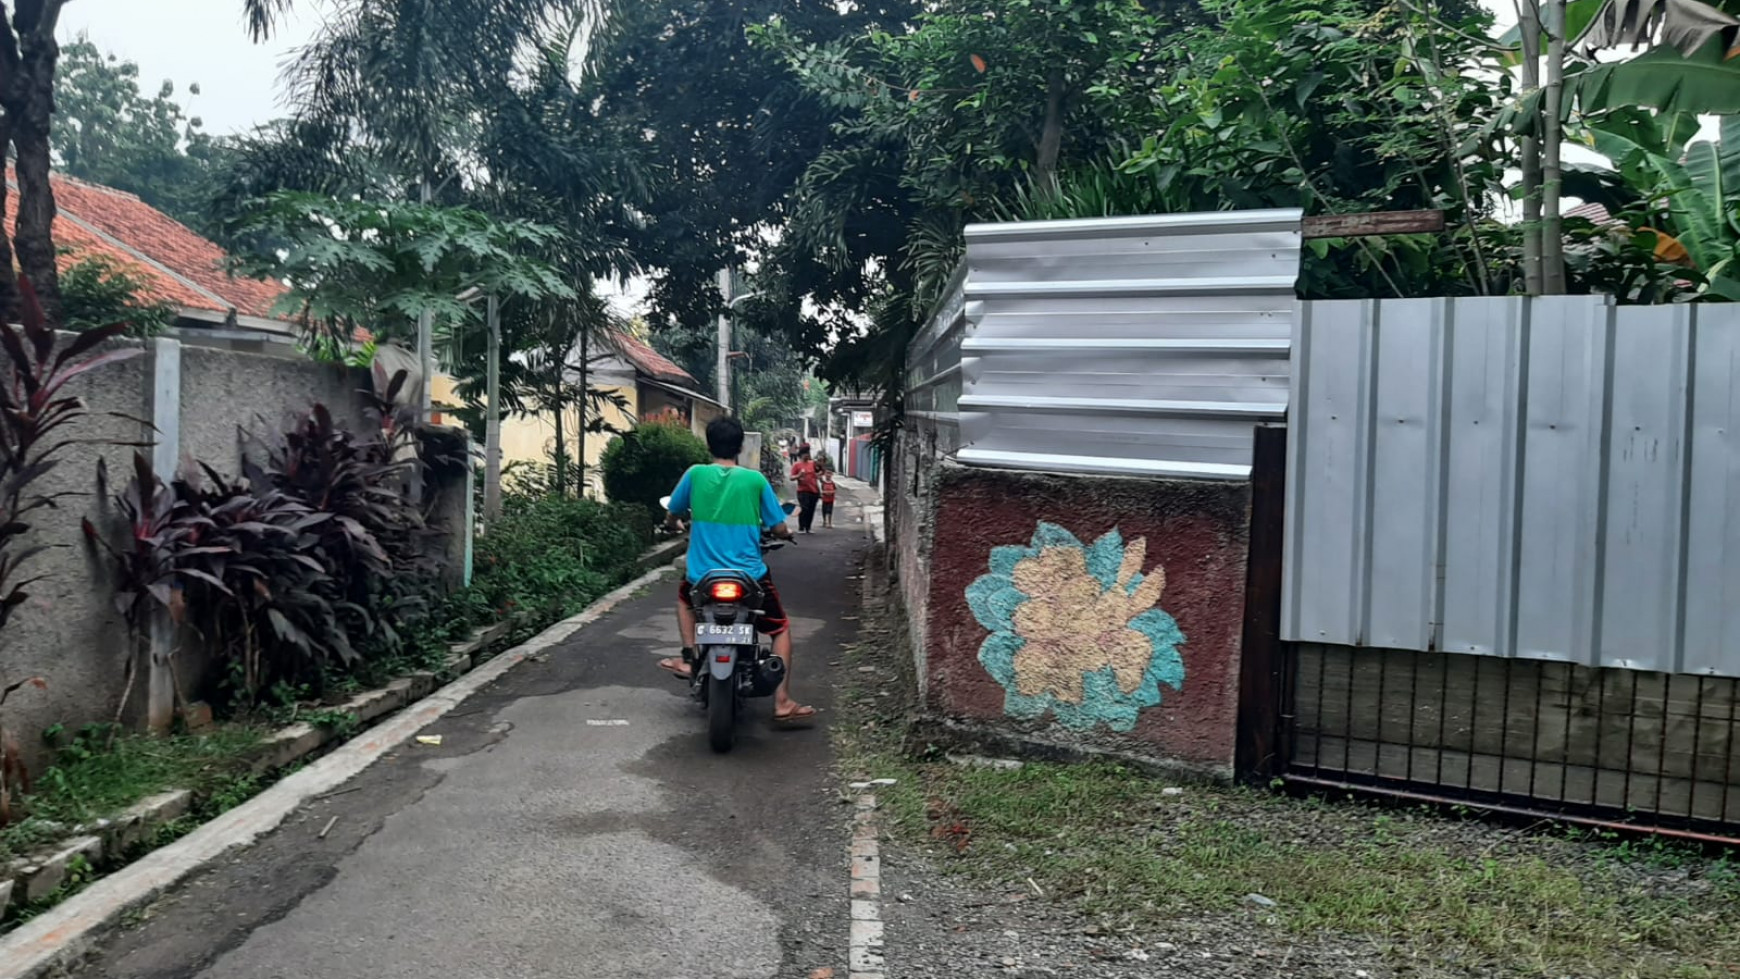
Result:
<point x="675" y="664"/>
<point x="793" y="714"/>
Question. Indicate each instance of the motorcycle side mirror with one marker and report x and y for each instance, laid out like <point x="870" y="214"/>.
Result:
<point x="664" y="503"/>
<point x="789" y="508"/>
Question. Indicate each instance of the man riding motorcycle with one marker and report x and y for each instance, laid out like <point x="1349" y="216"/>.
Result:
<point x="729" y="506"/>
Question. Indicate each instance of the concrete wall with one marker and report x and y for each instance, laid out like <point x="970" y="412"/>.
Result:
<point x="1076" y="611"/>
<point x="224" y="393"/>
<point x="68" y="632"/>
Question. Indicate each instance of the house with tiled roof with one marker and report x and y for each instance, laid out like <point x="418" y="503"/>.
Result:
<point x="650" y="387"/>
<point x="179" y="265"/>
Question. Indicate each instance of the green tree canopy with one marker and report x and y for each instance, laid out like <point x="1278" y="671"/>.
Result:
<point x="378" y="265"/>
<point x="110" y="131"/>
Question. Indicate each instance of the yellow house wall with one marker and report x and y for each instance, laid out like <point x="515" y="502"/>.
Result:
<point x="532" y="438"/>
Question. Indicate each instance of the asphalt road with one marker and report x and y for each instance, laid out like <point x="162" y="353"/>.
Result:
<point x="572" y="823"/>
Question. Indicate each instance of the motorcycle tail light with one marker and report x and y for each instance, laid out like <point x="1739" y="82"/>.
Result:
<point x="727" y="591"/>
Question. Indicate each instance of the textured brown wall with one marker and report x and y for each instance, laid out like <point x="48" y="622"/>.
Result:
<point x="1195" y="530"/>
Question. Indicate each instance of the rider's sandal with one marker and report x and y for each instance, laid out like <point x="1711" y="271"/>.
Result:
<point x="800" y="717"/>
<point x="676" y="667"/>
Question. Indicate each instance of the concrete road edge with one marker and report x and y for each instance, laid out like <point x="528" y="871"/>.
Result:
<point x="61" y="934"/>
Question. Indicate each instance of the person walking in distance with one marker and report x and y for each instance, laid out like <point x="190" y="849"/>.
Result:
<point x="809" y="491"/>
<point x="829" y="491"/>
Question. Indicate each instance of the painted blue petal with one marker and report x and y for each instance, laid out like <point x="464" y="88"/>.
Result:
<point x="1104" y="703"/>
<point x="1162" y="630"/>
<point x="1105" y="557"/>
<point x="983" y="598"/>
<point x="997" y="655"/>
<point x="1004" y="558"/>
<point x="995" y="606"/>
<point x="1051" y="535"/>
<point x="1025" y="708"/>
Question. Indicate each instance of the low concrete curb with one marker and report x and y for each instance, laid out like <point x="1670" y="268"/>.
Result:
<point x="60" y="935"/>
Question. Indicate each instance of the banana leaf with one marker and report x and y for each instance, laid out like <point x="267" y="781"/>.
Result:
<point x="1705" y="82"/>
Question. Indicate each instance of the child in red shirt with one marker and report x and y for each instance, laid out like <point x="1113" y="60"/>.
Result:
<point x="828" y="491"/>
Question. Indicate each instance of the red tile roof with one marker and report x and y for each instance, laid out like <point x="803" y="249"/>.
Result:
<point x="1594" y="212"/>
<point x="181" y="267"/>
<point x="652" y="363"/>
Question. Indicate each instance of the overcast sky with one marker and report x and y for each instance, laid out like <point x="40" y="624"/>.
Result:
<point x="205" y="41"/>
<point x="200" y="41"/>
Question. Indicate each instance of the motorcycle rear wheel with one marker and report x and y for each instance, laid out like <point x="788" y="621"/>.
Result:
<point x="721" y="713"/>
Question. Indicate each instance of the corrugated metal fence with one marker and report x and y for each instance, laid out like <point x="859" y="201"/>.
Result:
<point x="1512" y="560"/>
<point x="1554" y="479"/>
<point x="1146" y="345"/>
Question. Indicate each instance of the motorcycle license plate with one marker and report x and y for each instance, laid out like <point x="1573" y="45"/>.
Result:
<point x="708" y="633"/>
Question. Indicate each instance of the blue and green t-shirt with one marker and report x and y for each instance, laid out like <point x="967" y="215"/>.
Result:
<point x="728" y="506"/>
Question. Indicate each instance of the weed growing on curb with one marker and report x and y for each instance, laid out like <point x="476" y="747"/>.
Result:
<point x="94" y="779"/>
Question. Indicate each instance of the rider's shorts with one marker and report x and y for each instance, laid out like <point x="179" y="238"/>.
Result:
<point x="772" y="621"/>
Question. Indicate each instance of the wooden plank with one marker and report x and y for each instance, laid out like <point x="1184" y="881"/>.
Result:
<point x="1376" y="223"/>
<point x="1260" y="674"/>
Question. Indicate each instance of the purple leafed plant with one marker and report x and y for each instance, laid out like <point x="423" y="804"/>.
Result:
<point x="36" y="412"/>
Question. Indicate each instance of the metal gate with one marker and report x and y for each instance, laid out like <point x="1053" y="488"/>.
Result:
<point x="1498" y="561"/>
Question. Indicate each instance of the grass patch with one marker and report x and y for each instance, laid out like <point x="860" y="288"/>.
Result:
<point x="1468" y="897"/>
<point x="93" y="778"/>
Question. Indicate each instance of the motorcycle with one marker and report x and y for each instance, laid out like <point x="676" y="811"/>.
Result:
<point x="730" y="664"/>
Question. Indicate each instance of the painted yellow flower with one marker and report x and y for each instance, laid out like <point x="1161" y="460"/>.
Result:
<point x="1075" y="626"/>
<point x="1075" y="629"/>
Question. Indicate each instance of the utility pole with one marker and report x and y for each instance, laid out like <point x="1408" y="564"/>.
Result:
<point x="1552" y="170"/>
<point x="426" y="338"/>
<point x="492" y="422"/>
<point x="1534" y="268"/>
<point x="724" y="367"/>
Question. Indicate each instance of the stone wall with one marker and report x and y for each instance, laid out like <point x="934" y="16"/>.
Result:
<point x="1077" y="612"/>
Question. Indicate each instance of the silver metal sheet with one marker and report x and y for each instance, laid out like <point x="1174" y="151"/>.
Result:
<point x="1324" y="597"/>
<point x="1646" y="458"/>
<point x="1403" y="424"/>
<point x="1711" y="614"/>
<point x="1559" y="528"/>
<point x="1145" y="345"/>
<point x="1555" y="478"/>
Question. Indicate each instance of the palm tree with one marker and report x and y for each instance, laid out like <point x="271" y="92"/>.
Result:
<point x="432" y="99"/>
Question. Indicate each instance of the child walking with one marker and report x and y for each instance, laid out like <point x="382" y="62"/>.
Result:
<point x="828" y="491"/>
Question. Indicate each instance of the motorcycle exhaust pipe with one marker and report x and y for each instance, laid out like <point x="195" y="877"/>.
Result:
<point x="769" y="675"/>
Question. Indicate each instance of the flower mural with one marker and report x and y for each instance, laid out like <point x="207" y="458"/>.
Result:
<point x="1075" y="630"/>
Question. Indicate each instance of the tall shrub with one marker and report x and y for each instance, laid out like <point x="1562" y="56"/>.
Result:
<point x="550" y="554"/>
<point x="644" y="465"/>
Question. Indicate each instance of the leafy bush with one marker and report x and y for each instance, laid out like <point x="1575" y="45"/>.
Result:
<point x="773" y="464"/>
<point x="311" y="567"/>
<point x="374" y="544"/>
<point x="551" y="554"/>
<point x="98" y="292"/>
<point x="644" y="465"/>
